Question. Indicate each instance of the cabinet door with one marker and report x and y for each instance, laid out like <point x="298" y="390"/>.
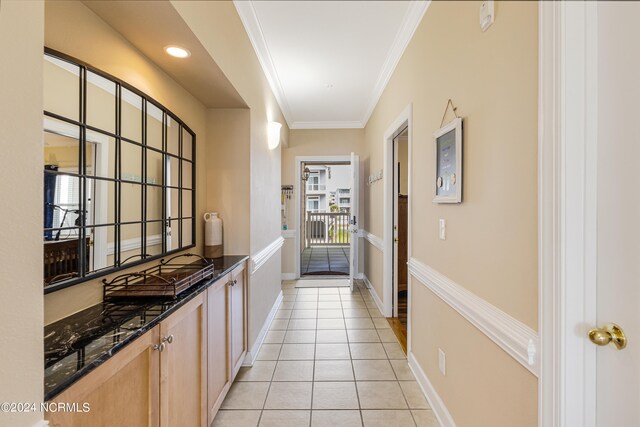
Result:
<point x="183" y="366"/>
<point x="218" y="344"/>
<point x="237" y="317"/>
<point x="121" y="392"/>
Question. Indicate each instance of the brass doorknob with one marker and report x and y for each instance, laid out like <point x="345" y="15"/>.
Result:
<point x="607" y="334"/>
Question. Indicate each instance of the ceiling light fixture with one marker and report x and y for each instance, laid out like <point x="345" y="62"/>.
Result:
<point x="177" y="51"/>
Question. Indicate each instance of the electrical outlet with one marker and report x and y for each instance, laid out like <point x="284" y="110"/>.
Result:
<point x="442" y="361"/>
<point x="443" y="229"/>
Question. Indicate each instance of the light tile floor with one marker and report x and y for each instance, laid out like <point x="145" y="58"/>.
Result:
<point x="329" y="359"/>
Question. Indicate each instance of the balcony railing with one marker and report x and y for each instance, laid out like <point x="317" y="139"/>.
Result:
<point x="327" y="229"/>
<point x="316" y="187"/>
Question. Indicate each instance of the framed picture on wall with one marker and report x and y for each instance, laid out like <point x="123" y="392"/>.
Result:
<point x="448" y="155"/>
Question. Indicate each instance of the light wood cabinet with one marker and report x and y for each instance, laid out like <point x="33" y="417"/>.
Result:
<point x="237" y="316"/>
<point x="176" y="374"/>
<point x="123" y="391"/>
<point x="227" y="308"/>
<point x="219" y="374"/>
<point x="183" y="366"/>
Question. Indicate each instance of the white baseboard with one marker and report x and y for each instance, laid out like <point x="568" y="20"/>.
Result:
<point x="250" y="358"/>
<point x="41" y="423"/>
<point x="288" y="276"/>
<point x="375" y="296"/>
<point x="439" y="409"/>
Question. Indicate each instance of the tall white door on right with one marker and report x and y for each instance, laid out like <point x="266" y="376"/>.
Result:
<point x="618" y="212"/>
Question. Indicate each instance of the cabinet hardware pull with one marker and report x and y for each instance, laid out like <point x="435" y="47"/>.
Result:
<point x="168" y="339"/>
<point x="160" y="347"/>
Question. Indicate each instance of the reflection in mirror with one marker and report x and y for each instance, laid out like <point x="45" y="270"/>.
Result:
<point x="61" y="145"/>
<point x="130" y="206"/>
<point x="61" y="87"/>
<point x="130" y="243"/>
<point x="173" y="137"/>
<point x="173" y="234"/>
<point x="154" y="238"/>
<point x="187" y="177"/>
<point x="101" y="101"/>
<point x="154" y="167"/>
<point x="173" y="171"/>
<point x="131" y="121"/>
<point x="154" y="126"/>
<point x="154" y="203"/>
<point x="187" y="145"/>
<point x="131" y="162"/>
<point x="62" y="256"/>
<point x="173" y="203"/>
<point x="187" y="204"/>
<point x="101" y="155"/>
<point x="101" y="254"/>
<point x="100" y="202"/>
<point x="187" y="237"/>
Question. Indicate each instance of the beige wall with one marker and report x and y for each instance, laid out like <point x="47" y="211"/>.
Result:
<point x="491" y="246"/>
<point x="21" y="357"/>
<point x="483" y="386"/>
<point x="228" y="178"/>
<point x="312" y="142"/>
<point x="71" y="28"/>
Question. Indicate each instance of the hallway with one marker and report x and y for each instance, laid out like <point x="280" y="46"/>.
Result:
<point x="329" y="359"/>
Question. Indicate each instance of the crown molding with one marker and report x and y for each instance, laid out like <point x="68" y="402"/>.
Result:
<point x="327" y="125"/>
<point x="249" y="19"/>
<point x="410" y="23"/>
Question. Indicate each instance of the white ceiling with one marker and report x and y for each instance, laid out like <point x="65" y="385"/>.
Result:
<point x="328" y="61"/>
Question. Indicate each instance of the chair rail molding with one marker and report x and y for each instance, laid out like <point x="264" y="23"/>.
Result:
<point x="260" y="258"/>
<point x="376" y="241"/>
<point x="514" y="337"/>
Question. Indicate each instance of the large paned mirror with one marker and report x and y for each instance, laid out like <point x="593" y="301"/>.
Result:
<point x="119" y="175"/>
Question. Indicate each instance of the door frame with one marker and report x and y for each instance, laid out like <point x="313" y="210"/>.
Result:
<point x="404" y="120"/>
<point x="567" y="184"/>
<point x="297" y="200"/>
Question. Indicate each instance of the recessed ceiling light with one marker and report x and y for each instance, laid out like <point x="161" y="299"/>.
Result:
<point x="178" y="52"/>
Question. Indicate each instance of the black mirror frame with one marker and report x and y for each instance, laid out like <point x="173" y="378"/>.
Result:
<point x="85" y="276"/>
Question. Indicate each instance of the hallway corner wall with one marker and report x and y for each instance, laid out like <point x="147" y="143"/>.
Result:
<point x="218" y="27"/>
<point x="21" y="305"/>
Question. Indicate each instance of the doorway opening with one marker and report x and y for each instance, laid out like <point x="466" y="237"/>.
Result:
<point x="325" y="214"/>
<point x="401" y="236"/>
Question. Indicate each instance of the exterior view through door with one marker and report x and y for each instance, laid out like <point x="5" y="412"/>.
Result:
<point x="326" y="210"/>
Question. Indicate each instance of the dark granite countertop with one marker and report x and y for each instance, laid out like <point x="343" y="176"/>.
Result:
<point x="76" y="345"/>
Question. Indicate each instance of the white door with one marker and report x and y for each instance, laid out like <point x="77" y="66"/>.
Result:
<point x="618" y="212"/>
<point x="355" y="220"/>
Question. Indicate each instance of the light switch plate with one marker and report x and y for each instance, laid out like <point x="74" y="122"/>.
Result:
<point x="442" y="361"/>
<point x="443" y="229"/>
